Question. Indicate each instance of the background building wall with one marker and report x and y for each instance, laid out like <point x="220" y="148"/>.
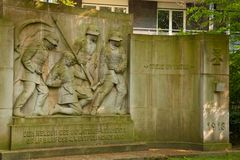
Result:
<point x="144" y="13"/>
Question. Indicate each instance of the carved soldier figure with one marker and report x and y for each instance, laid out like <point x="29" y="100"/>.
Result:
<point x="116" y="63"/>
<point x="33" y="59"/>
<point x="87" y="54"/>
<point x="62" y="75"/>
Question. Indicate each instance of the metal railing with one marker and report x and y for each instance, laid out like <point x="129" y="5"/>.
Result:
<point x="155" y="31"/>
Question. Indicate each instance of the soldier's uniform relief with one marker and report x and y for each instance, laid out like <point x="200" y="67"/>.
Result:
<point x="87" y="73"/>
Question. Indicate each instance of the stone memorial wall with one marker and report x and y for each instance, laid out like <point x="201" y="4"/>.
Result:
<point x="76" y="77"/>
<point x="179" y="86"/>
<point x="64" y="62"/>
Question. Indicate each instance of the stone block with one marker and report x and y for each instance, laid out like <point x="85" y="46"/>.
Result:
<point x="215" y="110"/>
<point x="175" y="80"/>
<point x="6" y="88"/>
<point x="5" y="120"/>
<point x="45" y="132"/>
<point x="139" y="93"/>
<point x="215" y="54"/>
<point x="6" y="44"/>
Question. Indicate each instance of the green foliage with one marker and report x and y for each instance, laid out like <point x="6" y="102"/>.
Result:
<point x="235" y="126"/>
<point x="71" y="3"/>
<point x="67" y="2"/>
<point x="226" y="19"/>
<point x="225" y="16"/>
<point x="228" y="156"/>
<point x="234" y="78"/>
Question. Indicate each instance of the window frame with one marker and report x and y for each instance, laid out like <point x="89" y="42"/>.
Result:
<point x="113" y="7"/>
<point x="170" y="29"/>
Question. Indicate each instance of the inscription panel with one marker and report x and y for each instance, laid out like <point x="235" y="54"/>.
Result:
<point x="67" y="134"/>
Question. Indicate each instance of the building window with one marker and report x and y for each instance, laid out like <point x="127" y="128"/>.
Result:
<point x="177" y="20"/>
<point x="105" y="8"/>
<point x="163" y="20"/>
<point x="109" y="8"/>
<point x="121" y="10"/>
<point x="171" y="20"/>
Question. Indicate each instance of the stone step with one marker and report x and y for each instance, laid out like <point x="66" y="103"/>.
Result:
<point x="133" y="155"/>
<point x="150" y="154"/>
<point x="70" y="151"/>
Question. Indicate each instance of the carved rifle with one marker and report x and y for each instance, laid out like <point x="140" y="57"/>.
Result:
<point x="70" y="48"/>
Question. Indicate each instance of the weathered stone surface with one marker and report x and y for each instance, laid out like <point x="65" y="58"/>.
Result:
<point x="1" y="7"/>
<point x="179" y="86"/>
<point x="5" y="119"/>
<point x="6" y="84"/>
<point x="215" y="89"/>
<point x="70" y="27"/>
<point x="164" y="88"/>
<point x="70" y="131"/>
<point x="68" y="151"/>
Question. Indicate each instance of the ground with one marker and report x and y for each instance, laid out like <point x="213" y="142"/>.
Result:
<point x="158" y="154"/>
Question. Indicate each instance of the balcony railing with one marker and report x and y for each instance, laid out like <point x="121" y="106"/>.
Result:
<point x="155" y="31"/>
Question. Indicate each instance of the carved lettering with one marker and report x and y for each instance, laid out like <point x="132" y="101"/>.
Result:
<point x="220" y="126"/>
<point x="168" y="67"/>
<point x="76" y="133"/>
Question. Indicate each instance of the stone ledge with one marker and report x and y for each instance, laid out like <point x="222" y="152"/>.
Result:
<point x="68" y="151"/>
<point x="59" y="119"/>
<point x="192" y="146"/>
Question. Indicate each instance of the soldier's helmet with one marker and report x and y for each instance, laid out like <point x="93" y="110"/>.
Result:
<point x="52" y="39"/>
<point x="116" y="36"/>
<point x="69" y="56"/>
<point x="93" y="30"/>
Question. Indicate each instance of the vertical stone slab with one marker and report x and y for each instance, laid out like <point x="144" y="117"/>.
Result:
<point x="164" y="89"/>
<point x="1" y="8"/>
<point x="214" y="91"/>
<point x="6" y="83"/>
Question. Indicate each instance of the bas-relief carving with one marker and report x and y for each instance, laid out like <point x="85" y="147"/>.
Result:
<point x="32" y="56"/>
<point x="85" y="76"/>
<point x="216" y="57"/>
<point x="113" y="66"/>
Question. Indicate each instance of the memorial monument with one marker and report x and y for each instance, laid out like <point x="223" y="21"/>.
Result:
<point x="78" y="81"/>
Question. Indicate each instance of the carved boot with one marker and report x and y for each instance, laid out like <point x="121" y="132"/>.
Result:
<point x="38" y="112"/>
<point x="121" y="111"/>
<point x="18" y="113"/>
<point x="94" y="110"/>
<point x="55" y="110"/>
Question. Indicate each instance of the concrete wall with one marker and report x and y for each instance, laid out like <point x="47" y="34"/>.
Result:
<point x="172" y="96"/>
<point x="6" y="83"/>
<point x="214" y="90"/>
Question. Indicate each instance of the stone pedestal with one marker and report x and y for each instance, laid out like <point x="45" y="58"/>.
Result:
<point x="62" y="131"/>
<point x="214" y="89"/>
<point x="6" y="83"/>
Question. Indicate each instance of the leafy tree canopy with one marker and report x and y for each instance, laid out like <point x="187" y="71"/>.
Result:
<point x="64" y="2"/>
<point x="224" y="14"/>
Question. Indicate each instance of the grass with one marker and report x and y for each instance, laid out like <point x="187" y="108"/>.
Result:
<point x="229" y="156"/>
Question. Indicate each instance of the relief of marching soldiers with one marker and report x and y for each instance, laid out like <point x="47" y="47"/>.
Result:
<point x="84" y="76"/>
